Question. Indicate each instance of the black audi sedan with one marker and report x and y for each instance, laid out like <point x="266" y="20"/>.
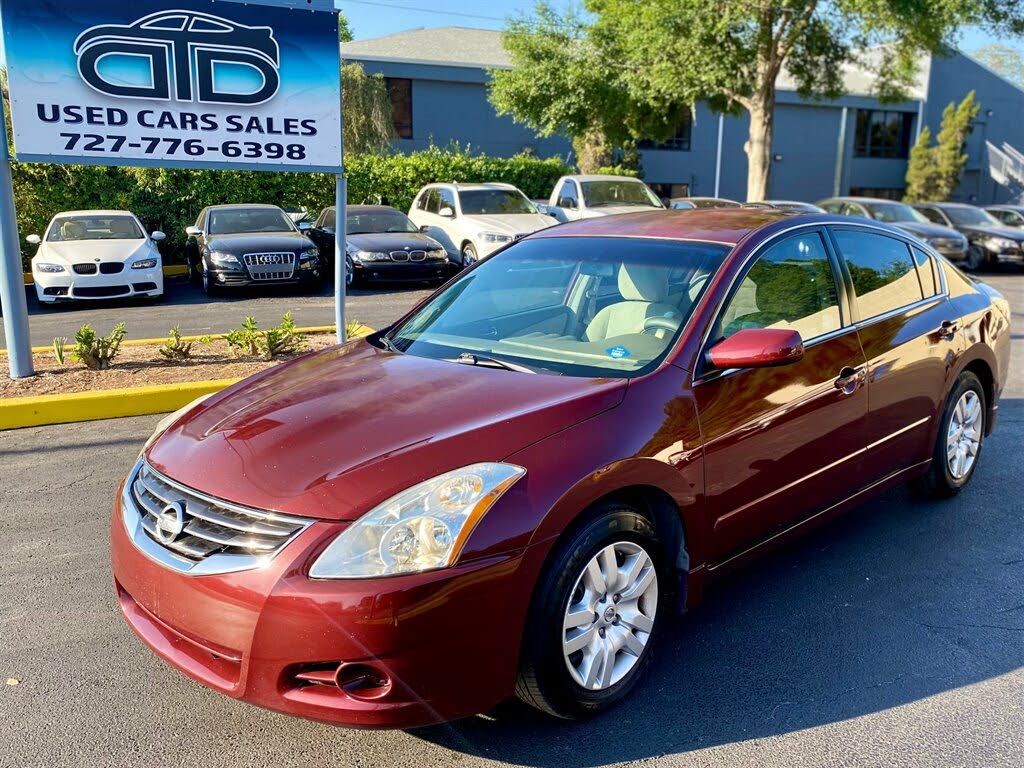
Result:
<point x="943" y="238"/>
<point x="233" y="246"/>
<point x="381" y="244"/>
<point x="992" y="242"/>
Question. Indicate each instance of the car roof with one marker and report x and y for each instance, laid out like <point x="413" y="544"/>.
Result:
<point x="476" y="185"/>
<point x="98" y="212"/>
<point x="601" y="177"/>
<point x="242" y="205"/>
<point x="860" y="199"/>
<point x="720" y="225"/>
<point x="949" y="205"/>
<point x="368" y="209"/>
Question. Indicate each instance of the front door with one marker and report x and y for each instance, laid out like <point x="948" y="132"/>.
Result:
<point x="782" y="443"/>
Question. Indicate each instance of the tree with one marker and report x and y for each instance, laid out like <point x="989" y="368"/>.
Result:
<point x="344" y="30"/>
<point x="563" y="83"/>
<point x="921" y="182"/>
<point x="367" y="120"/>
<point x="1003" y="60"/>
<point x="730" y="53"/>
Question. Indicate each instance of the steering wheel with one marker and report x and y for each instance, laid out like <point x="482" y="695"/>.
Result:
<point x="656" y="323"/>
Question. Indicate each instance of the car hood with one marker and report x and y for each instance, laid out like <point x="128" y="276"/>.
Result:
<point x="513" y="223"/>
<point x="612" y="210"/>
<point x="77" y="251"/>
<point x="252" y="242"/>
<point x="925" y="231"/>
<point x="393" y="241"/>
<point x="332" y="434"/>
<point x="1009" y="233"/>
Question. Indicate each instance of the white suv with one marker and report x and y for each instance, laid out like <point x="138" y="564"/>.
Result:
<point x="472" y="220"/>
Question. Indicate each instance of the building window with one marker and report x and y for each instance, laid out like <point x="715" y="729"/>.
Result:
<point x="885" y="193"/>
<point x="400" y="92"/>
<point x="679" y="143"/>
<point x="883" y="134"/>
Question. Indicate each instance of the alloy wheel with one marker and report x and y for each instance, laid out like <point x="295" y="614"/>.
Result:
<point x="610" y="615"/>
<point x="963" y="438"/>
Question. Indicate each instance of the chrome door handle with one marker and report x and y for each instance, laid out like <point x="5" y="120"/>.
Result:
<point x="850" y="379"/>
<point x="948" y="328"/>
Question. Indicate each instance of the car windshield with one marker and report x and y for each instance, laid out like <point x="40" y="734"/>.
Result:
<point x="378" y="221"/>
<point x="971" y="217"/>
<point x="893" y="213"/>
<point x="598" y="193"/>
<point x="234" y="221"/>
<point x="94" y="228"/>
<point x="566" y="306"/>
<point x="486" y="202"/>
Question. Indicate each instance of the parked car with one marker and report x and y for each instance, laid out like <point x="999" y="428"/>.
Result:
<point x="946" y="240"/>
<point x="87" y="255"/>
<point x="510" y="490"/>
<point x="473" y="220"/>
<point x="587" y="197"/>
<point x="381" y="243"/>
<point x="991" y="241"/>
<point x="1008" y="215"/>
<point x="686" y="203"/>
<point x="232" y="246"/>
<point x="787" y="205"/>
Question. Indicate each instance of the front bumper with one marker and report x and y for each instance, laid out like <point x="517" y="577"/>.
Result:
<point x="240" y="277"/>
<point x="447" y="642"/>
<point x="70" y="286"/>
<point x="401" y="272"/>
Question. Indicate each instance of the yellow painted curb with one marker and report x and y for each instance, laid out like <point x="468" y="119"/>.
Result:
<point x="361" y="330"/>
<point x="170" y="270"/>
<point x="35" y="411"/>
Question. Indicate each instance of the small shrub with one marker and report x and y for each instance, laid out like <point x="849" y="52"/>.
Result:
<point x="58" y="348"/>
<point x="94" y="351"/>
<point x="245" y="340"/>
<point x="355" y="330"/>
<point x="281" y="340"/>
<point x="177" y="349"/>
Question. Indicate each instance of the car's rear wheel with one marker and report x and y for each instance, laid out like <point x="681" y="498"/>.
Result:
<point x="469" y="257"/>
<point x="959" y="442"/>
<point x="595" y="615"/>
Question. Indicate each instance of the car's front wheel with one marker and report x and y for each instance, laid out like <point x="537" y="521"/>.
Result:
<point x="469" y="256"/>
<point x="975" y="258"/>
<point x="958" y="445"/>
<point x="595" y="615"/>
<point x="209" y="286"/>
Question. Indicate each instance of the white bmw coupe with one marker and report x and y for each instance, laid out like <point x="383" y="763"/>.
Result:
<point x="96" y="255"/>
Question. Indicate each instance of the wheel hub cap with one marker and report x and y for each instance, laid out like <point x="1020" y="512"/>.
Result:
<point x="963" y="439"/>
<point x="610" y="615"/>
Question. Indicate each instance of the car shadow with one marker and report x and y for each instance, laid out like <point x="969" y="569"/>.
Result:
<point x="897" y="601"/>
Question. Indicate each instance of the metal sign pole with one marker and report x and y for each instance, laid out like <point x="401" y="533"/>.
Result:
<point x="340" y="269"/>
<point x="12" y="282"/>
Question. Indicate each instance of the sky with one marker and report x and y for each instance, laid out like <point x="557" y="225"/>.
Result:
<point x="372" y="18"/>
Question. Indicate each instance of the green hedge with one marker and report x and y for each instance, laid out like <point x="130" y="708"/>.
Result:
<point x="170" y="200"/>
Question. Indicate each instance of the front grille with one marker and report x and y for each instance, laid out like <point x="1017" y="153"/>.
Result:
<point x="102" y="291"/>
<point x="223" y="536"/>
<point x="84" y="269"/>
<point x="270" y="266"/>
<point x="408" y="255"/>
<point x="111" y="267"/>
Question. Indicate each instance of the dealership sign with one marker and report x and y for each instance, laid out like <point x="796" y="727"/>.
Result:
<point x="198" y="83"/>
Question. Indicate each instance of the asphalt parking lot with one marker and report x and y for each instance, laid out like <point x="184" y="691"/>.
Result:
<point x="894" y="636"/>
<point x="187" y="306"/>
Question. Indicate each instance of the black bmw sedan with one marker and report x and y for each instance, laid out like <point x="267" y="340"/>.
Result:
<point x="381" y="244"/>
<point x="246" y="245"/>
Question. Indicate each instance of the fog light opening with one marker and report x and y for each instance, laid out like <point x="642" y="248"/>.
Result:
<point x="362" y="681"/>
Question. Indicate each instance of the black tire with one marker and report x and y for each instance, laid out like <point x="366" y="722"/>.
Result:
<point x="975" y="258"/>
<point x="469" y="255"/>
<point x="194" y="275"/>
<point x="544" y="680"/>
<point x="939" y="482"/>
<point x="209" y="287"/>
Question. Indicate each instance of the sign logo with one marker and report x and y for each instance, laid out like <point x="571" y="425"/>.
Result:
<point x="185" y="56"/>
<point x="170" y="522"/>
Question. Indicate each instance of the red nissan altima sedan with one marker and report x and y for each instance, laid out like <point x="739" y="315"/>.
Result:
<point x="510" y="491"/>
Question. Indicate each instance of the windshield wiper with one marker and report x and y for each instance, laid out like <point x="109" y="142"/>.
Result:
<point x="471" y="358"/>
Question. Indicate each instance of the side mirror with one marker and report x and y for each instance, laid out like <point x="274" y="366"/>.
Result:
<point x="305" y="226"/>
<point x="566" y="202"/>
<point x="425" y="229"/>
<point x="757" y="348"/>
<point x="193" y="231"/>
<point x="33" y="240"/>
<point x="447" y="212"/>
<point x="157" y="236"/>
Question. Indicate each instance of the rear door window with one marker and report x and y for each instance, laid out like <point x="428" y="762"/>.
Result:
<point x="883" y="271"/>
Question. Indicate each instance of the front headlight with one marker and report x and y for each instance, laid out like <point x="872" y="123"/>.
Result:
<point x="312" y="253"/>
<point x="496" y="237"/>
<point x="371" y="256"/>
<point x="49" y="268"/>
<point x="224" y="259"/>
<point x="438" y="255"/>
<point x="144" y="264"/>
<point x="1002" y="243"/>
<point x="166" y="421"/>
<point x="421" y="529"/>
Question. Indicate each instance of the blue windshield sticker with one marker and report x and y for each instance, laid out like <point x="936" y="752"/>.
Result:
<point x="617" y="352"/>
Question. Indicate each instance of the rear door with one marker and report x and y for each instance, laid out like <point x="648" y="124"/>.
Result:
<point x="782" y="443"/>
<point x="910" y="337"/>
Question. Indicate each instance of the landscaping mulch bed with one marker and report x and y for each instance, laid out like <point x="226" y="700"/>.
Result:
<point x="142" y="366"/>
